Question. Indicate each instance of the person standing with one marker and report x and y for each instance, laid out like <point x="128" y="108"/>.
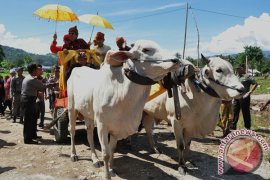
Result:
<point x="53" y="90"/>
<point x="40" y="99"/>
<point x="15" y="88"/>
<point x="8" y="101"/>
<point x="2" y="96"/>
<point x="30" y="88"/>
<point x="244" y="103"/>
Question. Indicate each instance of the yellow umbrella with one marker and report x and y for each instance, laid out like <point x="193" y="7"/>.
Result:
<point x="56" y="12"/>
<point x="95" y="20"/>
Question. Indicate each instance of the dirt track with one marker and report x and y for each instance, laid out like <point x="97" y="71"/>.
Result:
<point x="49" y="160"/>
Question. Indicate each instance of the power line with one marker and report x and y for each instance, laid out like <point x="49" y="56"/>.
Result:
<point x="224" y="14"/>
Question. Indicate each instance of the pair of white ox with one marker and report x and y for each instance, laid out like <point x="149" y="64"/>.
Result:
<point x="108" y="98"/>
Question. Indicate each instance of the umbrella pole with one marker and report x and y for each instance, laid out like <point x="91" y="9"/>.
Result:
<point x="92" y="30"/>
<point x="92" y="33"/>
<point x="55" y="27"/>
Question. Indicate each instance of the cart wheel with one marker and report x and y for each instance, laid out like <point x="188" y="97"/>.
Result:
<point x="61" y="127"/>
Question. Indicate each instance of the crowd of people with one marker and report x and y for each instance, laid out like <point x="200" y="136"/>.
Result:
<point x="25" y="98"/>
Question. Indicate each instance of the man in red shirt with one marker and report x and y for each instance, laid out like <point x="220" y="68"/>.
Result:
<point x="54" y="48"/>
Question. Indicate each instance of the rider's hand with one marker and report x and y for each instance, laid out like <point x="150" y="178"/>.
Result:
<point x="54" y="36"/>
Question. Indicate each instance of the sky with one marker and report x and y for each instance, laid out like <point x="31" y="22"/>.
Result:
<point x="224" y="26"/>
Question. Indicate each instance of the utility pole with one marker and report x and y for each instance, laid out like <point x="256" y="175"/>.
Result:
<point x="185" y="32"/>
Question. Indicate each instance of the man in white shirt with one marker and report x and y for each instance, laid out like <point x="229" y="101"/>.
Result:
<point x="99" y="46"/>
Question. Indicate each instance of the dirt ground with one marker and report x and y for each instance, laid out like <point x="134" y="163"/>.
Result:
<point x="49" y="160"/>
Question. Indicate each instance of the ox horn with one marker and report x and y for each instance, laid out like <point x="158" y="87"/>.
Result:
<point x="204" y="59"/>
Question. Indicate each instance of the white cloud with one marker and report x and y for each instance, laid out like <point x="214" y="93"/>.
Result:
<point x="141" y="10"/>
<point x="254" y="32"/>
<point x="33" y="45"/>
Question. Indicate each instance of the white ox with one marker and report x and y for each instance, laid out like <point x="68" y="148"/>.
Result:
<point x="109" y="98"/>
<point x="198" y="109"/>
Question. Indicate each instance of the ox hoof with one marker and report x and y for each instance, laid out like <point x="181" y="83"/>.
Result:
<point x="155" y="150"/>
<point x="97" y="164"/>
<point x="182" y="170"/>
<point x="74" y="158"/>
<point x="112" y="173"/>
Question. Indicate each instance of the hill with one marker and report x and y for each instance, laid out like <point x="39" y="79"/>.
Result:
<point x="266" y="54"/>
<point x="14" y="54"/>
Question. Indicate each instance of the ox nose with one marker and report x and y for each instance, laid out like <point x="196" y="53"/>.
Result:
<point x="242" y="90"/>
<point x="175" y="60"/>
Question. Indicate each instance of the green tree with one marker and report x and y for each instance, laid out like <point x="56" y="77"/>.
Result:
<point x="2" y="54"/>
<point x="19" y="62"/>
<point x="255" y="56"/>
<point x="27" y="60"/>
<point x="6" y="64"/>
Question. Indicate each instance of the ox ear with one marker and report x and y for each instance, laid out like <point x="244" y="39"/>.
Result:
<point x="204" y="59"/>
<point x="121" y="56"/>
<point x="207" y="72"/>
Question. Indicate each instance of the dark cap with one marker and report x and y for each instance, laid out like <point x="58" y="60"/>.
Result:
<point x="241" y="66"/>
<point x="99" y="36"/>
<point x="73" y="29"/>
<point x="19" y="69"/>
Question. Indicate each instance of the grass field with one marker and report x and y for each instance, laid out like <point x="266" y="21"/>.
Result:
<point x="264" y="85"/>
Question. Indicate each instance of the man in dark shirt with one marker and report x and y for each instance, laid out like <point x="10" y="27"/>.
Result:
<point x="243" y="103"/>
<point x="75" y="42"/>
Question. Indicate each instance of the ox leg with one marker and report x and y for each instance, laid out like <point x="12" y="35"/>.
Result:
<point x="112" y="144"/>
<point x="72" y="128"/>
<point x="187" y="152"/>
<point x="179" y="137"/>
<point x="148" y="122"/>
<point x="103" y="139"/>
<point x="90" y="137"/>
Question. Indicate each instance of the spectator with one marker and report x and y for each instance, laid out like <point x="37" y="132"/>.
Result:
<point x="244" y="103"/>
<point x="40" y="98"/>
<point x="15" y="88"/>
<point x="100" y="47"/>
<point x="225" y="116"/>
<point x="52" y="91"/>
<point x="8" y="101"/>
<point x="30" y="87"/>
<point x="121" y="44"/>
<point x="2" y="96"/>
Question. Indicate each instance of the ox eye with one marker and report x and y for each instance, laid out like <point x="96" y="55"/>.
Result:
<point x="219" y="71"/>
<point x="144" y="50"/>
